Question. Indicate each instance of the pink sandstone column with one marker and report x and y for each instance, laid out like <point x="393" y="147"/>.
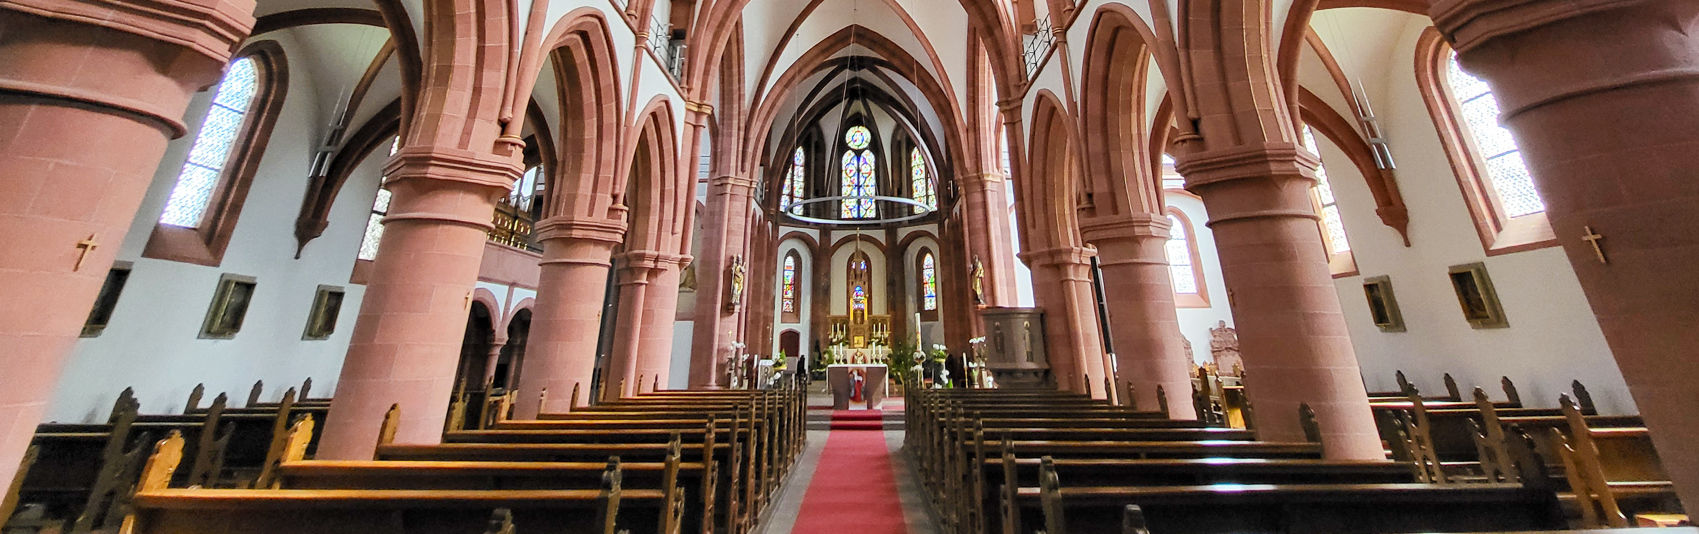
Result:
<point x="987" y="230"/>
<point x="1603" y="97"/>
<point x="660" y="311"/>
<point x="1061" y="281"/>
<point x="89" y="95"/>
<point x="1148" y="348"/>
<point x="1291" y="329"/>
<point x="725" y="228"/>
<point x="636" y="271"/>
<point x="567" y="320"/>
<point x="406" y="342"/>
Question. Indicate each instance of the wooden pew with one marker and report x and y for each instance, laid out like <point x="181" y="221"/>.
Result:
<point x="159" y="510"/>
<point x="1615" y="472"/>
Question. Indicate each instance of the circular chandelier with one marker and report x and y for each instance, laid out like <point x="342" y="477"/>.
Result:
<point x="922" y="210"/>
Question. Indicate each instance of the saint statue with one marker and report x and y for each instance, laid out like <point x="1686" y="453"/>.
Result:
<point x="736" y="271"/>
<point x="978" y="281"/>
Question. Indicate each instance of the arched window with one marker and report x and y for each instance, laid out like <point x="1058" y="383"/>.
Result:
<point x="1506" y="172"/>
<point x="220" y="132"/>
<point x="860" y="278"/>
<point x="524" y="194"/>
<point x="923" y="190"/>
<point x="380" y="208"/>
<point x="787" y="287"/>
<point x="859" y="179"/>
<point x="1508" y="212"/>
<point x="928" y="282"/>
<point x="794" y="191"/>
<point x="1183" y="265"/>
<point x="1333" y="228"/>
<point x="201" y="212"/>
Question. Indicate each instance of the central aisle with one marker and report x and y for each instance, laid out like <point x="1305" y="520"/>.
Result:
<point x="854" y="486"/>
<point x="852" y="477"/>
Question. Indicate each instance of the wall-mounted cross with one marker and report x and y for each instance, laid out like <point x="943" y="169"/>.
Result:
<point x="87" y="245"/>
<point x="1593" y="238"/>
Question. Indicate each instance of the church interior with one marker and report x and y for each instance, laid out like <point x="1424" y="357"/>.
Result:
<point x="888" y="266"/>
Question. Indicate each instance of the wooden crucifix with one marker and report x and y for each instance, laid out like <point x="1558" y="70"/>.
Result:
<point x="1593" y="238"/>
<point x="87" y="245"/>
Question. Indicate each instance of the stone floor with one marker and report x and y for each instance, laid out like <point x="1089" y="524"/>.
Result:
<point x="782" y="516"/>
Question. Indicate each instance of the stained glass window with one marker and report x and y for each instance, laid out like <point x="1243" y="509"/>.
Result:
<point x="374" y="222"/>
<point x="859" y="179"/>
<point x="858" y="299"/>
<point x="1330" y="221"/>
<point x="924" y="191"/>
<point x="929" y="283"/>
<point x="218" y="137"/>
<point x="1505" y="169"/>
<point x="1180" y="267"/>
<point x="794" y="184"/>
<point x="788" y="283"/>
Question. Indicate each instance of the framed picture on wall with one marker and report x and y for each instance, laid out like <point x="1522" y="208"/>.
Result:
<point x="229" y="307"/>
<point x="1383" y="305"/>
<point x="321" y="320"/>
<point x="1476" y="296"/>
<point x="101" y="315"/>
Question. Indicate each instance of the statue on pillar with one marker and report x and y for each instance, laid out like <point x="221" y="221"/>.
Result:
<point x="978" y="281"/>
<point x="734" y="289"/>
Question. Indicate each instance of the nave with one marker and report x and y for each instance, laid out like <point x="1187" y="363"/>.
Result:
<point x="785" y="460"/>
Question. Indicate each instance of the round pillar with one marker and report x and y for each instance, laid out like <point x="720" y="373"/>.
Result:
<point x="567" y="320"/>
<point x="90" y="93"/>
<point x="1293" y="334"/>
<point x="406" y="341"/>
<point x="1149" y="350"/>
<point x="1061" y="281"/>
<point x="1602" y="96"/>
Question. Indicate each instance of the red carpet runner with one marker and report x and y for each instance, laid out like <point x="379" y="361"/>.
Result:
<point x="854" y="488"/>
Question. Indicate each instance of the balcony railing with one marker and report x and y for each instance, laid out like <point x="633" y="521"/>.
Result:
<point x="514" y="223"/>
<point x="668" y="51"/>
<point x="1036" y="45"/>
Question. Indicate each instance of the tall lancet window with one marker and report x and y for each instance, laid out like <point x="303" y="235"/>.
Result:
<point x="787" y="285"/>
<point x="928" y="282"/>
<point x="794" y="191"/>
<point x="380" y="208"/>
<point x="860" y="277"/>
<point x="859" y="179"/>
<point x="1515" y="195"/>
<point x="219" y="136"/>
<point x="1333" y="227"/>
<point x="920" y="184"/>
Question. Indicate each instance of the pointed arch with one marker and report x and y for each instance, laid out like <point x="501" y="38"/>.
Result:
<point x="1115" y="77"/>
<point x="652" y="178"/>
<point x="584" y="184"/>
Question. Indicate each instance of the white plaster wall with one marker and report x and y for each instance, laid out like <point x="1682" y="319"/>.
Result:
<point x="1196" y="322"/>
<point x="152" y="342"/>
<point x="805" y="285"/>
<point x="678" y="372"/>
<point x="840" y="274"/>
<point x="1553" y="336"/>
<point x="1023" y="273"/>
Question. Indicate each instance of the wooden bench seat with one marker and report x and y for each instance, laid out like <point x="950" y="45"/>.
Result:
<point x="1286" y="508"/>
<point x="188" y="511"/>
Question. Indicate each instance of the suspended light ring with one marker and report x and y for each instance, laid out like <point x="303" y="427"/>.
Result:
<point x="924" y="210"/>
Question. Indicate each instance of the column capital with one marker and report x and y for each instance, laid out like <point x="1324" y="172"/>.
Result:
<point x="1541" y="53"/>
<point x="452" y="165"/>
<point x="1468" y="24"/>
<point x="737" y="184"/>
<point x="610" y="231"/>
<point x="212" y="28"/>
<point x="1129" y="226"/>
<point x="980" y="181"/>
<point x="1059" y="257"/>
<point x="1253" y="161"/>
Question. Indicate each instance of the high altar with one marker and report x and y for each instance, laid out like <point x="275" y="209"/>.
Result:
<point x="860" y="338"/>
